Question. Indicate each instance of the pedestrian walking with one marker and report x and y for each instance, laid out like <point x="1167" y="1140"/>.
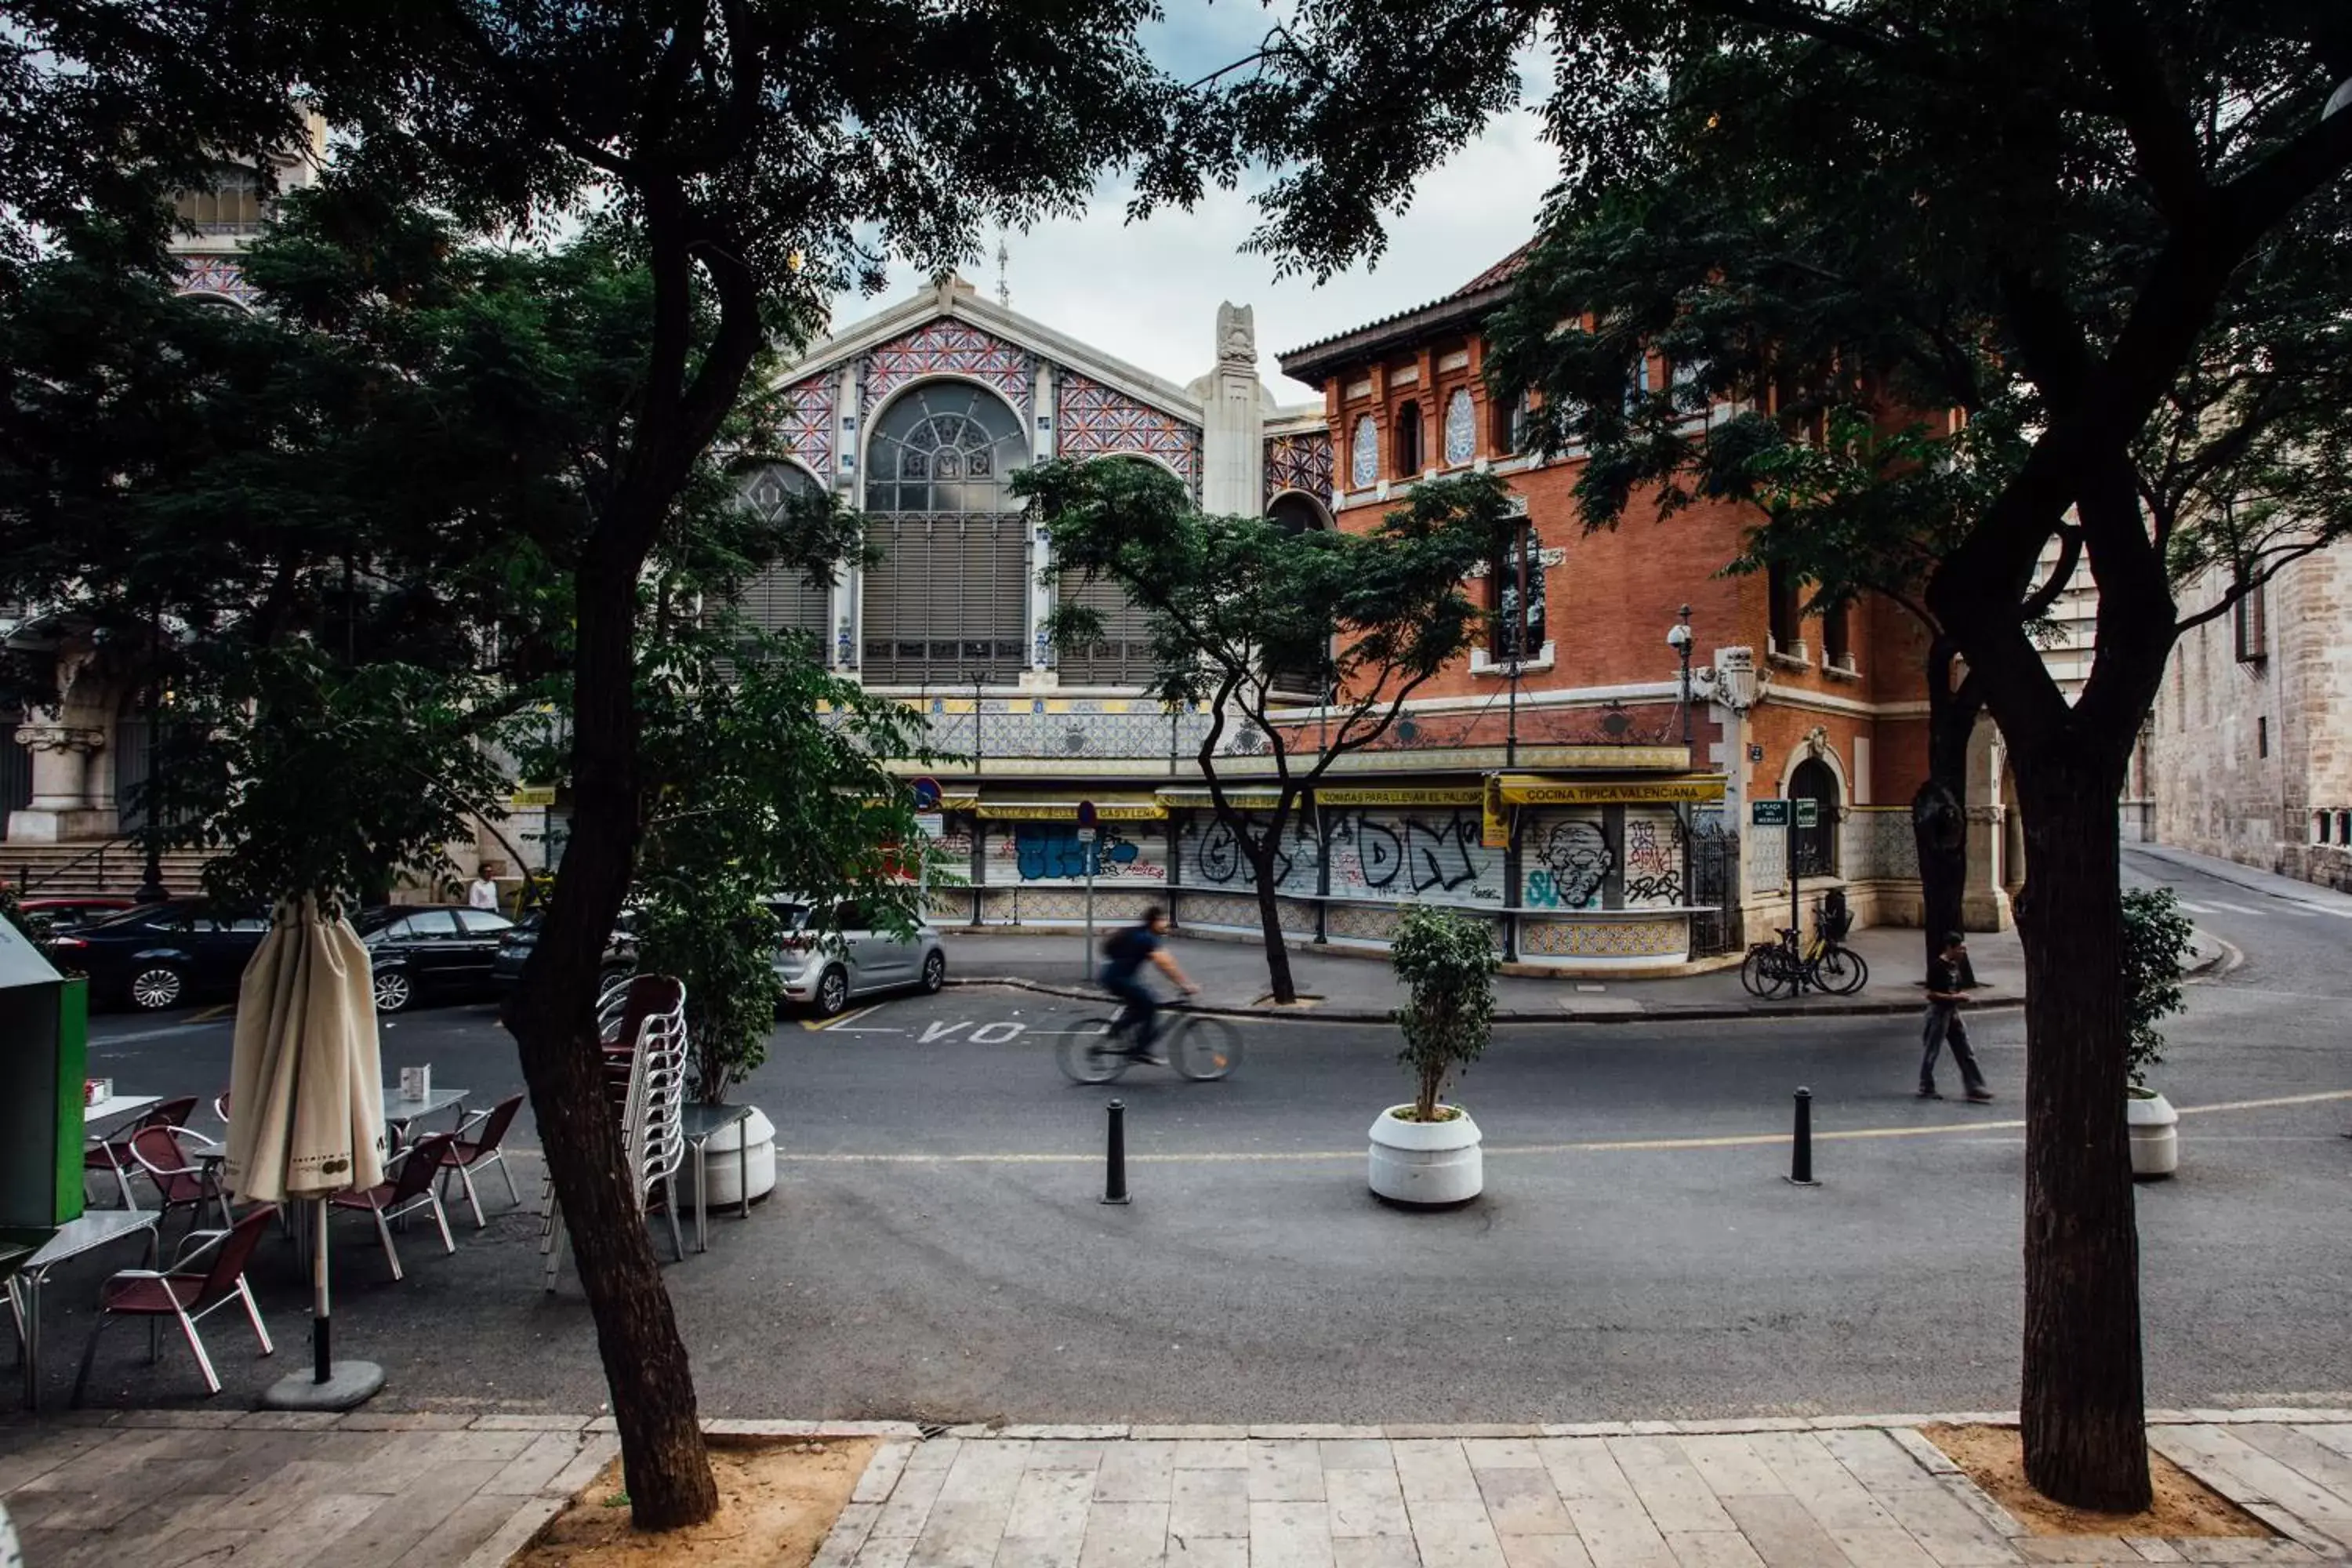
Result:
<point x="483" y="893"/>
<point x="1943" y="1022"/>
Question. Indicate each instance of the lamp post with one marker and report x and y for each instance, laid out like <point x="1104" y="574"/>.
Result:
<point x="1678" y="637"/>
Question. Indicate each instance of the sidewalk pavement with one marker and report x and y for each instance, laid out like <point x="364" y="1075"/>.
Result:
<point x="1356" y="985"/>
<point x="278" y="1490"/>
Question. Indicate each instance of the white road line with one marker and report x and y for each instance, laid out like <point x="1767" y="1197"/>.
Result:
<point x="1730" y="1141"/>
<point x="2196" y="909"/>
<point x="2240" y="909"/>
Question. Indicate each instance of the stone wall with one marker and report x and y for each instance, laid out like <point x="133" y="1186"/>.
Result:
<point x="2251" y="757"/>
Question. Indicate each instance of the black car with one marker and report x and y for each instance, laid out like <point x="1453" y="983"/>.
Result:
<point x="430" y="950"/>
<point x="514" y="948"/>
<point x="165" y="955"/>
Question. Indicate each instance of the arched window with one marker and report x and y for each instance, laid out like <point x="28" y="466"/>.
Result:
<point x="1364" y="452"/>
<point x="1784" y="609"/>
<point x="949" y="601"/>
<point x="1816" y="846"/>
<point x="781" y="599"/>
<point x="1408" y="441"/>
<point x="1460" y="427"/>
<point x="1296" y="514"/>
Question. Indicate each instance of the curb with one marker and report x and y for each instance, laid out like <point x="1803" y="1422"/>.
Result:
<point x="1123" y="1431"/>
<point x="1636" y="1012"/>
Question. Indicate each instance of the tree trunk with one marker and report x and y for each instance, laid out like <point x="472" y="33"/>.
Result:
<point x="2083" y="1406"/>
<point x="553" y="1017"/>
<point x="1269" y="914"/>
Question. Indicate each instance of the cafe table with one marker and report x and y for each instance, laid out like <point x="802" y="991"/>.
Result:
<point x="115" y="1107"/>
<point x="94" y="1229"/>
<point x="696" y="1123"/>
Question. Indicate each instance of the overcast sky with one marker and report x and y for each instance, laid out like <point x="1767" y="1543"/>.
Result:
<point x="1148" y="293"/>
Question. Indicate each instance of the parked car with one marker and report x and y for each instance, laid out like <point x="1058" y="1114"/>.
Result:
<point x="515" y="945"/>
<point x="165" y="954"/>
<point x="827" y="963"/>
<point x="72" y="911"/>
<point x="436" y="949"/>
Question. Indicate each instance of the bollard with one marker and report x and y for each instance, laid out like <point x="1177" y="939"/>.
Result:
<point x="1115" y="1172"/>
<point x="1800" y="1152"/>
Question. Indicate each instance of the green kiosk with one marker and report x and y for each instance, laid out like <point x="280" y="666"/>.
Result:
<point x="44" y="1047"/>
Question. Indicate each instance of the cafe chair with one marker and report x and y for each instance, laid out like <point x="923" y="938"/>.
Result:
<point x="409" y="1189"/>
<point x="466" y="1155"/>
<point x="182" y="1179"/>
<point x="112" y="1156"/>
<point x="186" y="1294"/>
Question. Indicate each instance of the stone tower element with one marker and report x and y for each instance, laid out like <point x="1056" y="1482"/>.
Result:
<point x="1233" y="420"/>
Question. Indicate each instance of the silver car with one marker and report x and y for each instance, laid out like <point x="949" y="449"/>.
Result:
<point x="825" y="963"/>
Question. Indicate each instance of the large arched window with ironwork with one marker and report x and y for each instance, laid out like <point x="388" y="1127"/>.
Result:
<point x="1816" y="846"/>
<point x="949" y="602"/>
<point x="781" y="599"/>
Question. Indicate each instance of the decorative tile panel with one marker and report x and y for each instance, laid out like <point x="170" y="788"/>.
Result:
<point x="947" y="347"/>
<point x="1060" y="906"/>
<point x="1881" y="843"/>
<point x="1299" y="462"/>
<point x="1097" y="421"/>
<point x="1666" y="938"/>
<point x="1461" y="428"/>
<point x="217" y="275"/>
<point x="808" y="422"/>
<point x="1225" y="912"/>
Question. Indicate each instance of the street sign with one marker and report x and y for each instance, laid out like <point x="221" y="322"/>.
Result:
<point x="930" y="824"/>
<point x="1086" y="819"/>
<point x="1086" y="836"/>
<point x="926" y="794"/>
<point x="525" y="796"/>
<point x="1767" y="813"/>
<point x="1808" y="814"/>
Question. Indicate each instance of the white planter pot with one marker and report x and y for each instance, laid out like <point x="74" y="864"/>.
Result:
<point x="726" y="1173"/>
<point x="1431" y="1163"/>
<point x="2155" y="1133"/>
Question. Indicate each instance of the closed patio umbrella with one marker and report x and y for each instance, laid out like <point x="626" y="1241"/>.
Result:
<point x="306" y="1106"/>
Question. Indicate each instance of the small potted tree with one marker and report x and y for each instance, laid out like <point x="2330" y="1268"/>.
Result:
<point x="1426" y="1151"/>
<point x="2155" y="937"/>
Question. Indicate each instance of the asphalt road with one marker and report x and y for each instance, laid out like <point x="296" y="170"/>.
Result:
<point x="934" y="1248"/>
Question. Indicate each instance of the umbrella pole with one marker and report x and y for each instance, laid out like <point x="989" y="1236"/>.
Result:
<point x="328" y="1386"/>
<point x="322" y="1315"/>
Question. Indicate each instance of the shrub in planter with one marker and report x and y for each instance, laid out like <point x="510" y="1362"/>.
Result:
<point x="2155" y="936"/>
<point x="1447" y="964"/>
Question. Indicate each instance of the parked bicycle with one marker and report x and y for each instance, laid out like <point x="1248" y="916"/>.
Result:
<point x="1825" y="965"/>
<point x="1197" y="1045"/>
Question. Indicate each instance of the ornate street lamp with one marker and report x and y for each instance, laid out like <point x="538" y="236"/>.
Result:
<point x="1678" y="637"/>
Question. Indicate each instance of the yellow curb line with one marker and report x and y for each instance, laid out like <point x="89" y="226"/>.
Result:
<point x="838" y="1020"/>
<point x="1611" y="1146"/>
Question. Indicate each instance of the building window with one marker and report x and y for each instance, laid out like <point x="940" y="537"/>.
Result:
<point x="1837" y="636"/>
<point x="1408" y="441"/>
<point x="1510" y="421"/>
<point x="2262" y="735"/>
<point x="2251" y="620"/>
<point x="783" y="599"/>
<point x="1816" y="847"/>
<point x="1460" y="427"/>
<point x="949" y="601"/>
<point x="231" y="205"/>
<point x="1364" y="452"/>
<point x="1515" y="596"/>
<point x="1781" y="590"/>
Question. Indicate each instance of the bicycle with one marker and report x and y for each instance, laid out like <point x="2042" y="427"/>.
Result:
<point x="1199" y="1046"/>
<point x="1825" y="964"/>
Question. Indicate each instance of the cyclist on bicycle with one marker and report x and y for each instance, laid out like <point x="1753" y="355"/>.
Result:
<point x="1127" y="951"/>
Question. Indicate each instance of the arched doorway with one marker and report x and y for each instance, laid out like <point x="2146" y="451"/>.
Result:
<point x="1298" y="513"/>
<point x="1816" y="847"/>
<point x="949" y="602"/>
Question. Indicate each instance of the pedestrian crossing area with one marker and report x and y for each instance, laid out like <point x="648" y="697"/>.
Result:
<point x="2275" y="907"/>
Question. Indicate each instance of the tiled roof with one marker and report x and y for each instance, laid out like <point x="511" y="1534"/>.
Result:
<point x="1481" y="290"/>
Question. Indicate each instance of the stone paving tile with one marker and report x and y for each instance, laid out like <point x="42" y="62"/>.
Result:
<point x="1729" y="1465"/>
<point x="1356" y="1454"/>
<point x="1669" y="1484"/>
<point x="1285" y="1472"/>
<point x="882" y="1472"/>
<point x="1502" y="1453"/>
<point x="2223" y="1450"/>
<point x="1784" y="1533"/>
<point x="1067" y="1456"/>
<point x="1035" y="1552"/>
<point x="1523" y="1502"/>
<point x="1544" y="1551"/>
<point x="529" y="1472"/>
<point x="1125" y="1535"/>
<point x="1619" y="1533"/>
<point x="2095" y="1549"/>
<point x="961" y="1534"/>
<point x="1136" y="1472"/>
<point x="1712" y="1549"/>
<point x="885" y="1552"/>
<point x="1952" y="1533"/>
<point x="1452" y="1532"/>
<point x="1209" y="1503"/>
<point x="1365" y="1503"/>
<point x="1213" y="1454"/>
<point x="1884" y="1546"/>
<point x="1207" y="1551"/>
<point x="1433" y="1469"/>
<point x="1375" y="1551"/>
<point x="1813" y="1476"/>
<point x="985" y="1472"/>
<point x="1290" y="1535"/>
<point x="910" y="1503"/>
<point x="1050" y="1505"/>
<point x="2308" y="1456"/>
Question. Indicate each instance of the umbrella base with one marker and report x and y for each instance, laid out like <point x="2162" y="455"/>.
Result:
<point x="348" y="1384"/>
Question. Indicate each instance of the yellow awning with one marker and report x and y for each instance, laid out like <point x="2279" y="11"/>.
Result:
<point x="1402" y="794"/>
<point x="1250" y="797"/>
<point x="1108" y="807"/>
<point x="1524" y="789"/>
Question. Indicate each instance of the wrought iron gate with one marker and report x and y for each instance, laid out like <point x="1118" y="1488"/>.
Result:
<point x="1714" y="850"/>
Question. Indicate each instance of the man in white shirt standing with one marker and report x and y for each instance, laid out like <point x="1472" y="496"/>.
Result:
<point x="483" y="894"/>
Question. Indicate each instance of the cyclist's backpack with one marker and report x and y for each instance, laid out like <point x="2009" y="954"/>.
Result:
<point x="1120" y="946"/>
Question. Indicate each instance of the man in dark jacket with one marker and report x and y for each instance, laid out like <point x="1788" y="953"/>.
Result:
<point x="1943" y="1024"/>
<point x="1127" y="952"/>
